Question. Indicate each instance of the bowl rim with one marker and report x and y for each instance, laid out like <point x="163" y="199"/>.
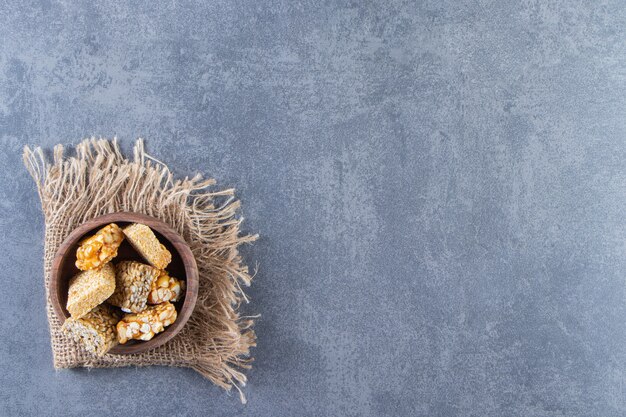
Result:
<point x="184" y="251"/>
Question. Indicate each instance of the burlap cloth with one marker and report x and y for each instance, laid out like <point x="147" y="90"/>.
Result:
<point x="99" y="180"/>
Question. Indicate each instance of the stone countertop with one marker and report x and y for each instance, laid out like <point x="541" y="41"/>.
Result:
<point x="439" y="188"/>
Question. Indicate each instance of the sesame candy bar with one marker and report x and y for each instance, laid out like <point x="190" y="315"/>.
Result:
<point x="87" y="289"/>
<point x="146" y="243"/>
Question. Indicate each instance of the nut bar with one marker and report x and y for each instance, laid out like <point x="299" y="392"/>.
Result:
<point x="144" y="325"/>
<point x="87" y="289"/>
<point x="95" y="331"/>
<point x="100" y="248"/>
<point x="146" y="243"/>
<point x="133" y="281"/>
<point x="165" y="288"/>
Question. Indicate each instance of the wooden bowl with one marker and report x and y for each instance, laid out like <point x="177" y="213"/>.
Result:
<point x="183" y="266"/>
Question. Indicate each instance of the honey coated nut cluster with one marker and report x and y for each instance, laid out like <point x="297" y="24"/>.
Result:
<point x="144" y="325"/>
<point x="100" y="248"/>
<point x="165" y="288"/>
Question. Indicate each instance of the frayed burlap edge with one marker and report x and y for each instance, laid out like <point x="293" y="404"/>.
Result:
<point x="99" y="180"/>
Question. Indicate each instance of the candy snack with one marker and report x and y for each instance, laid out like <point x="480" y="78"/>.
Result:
<point x="146" y="243"/>
<point x="87" y="289"/>
<point x="165" y="288"/>
<point x="144" y="325"/>
<point x="133" y="281"/>
<point x="100" y="248"/>
<point x="95" y="331"/>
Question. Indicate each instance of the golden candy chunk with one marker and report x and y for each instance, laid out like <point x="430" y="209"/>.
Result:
<point x="145" y="325"/>
<point x="100" y="248"/>
<point x="133" y="281"/>
<point x="146" y="243"/>
<point x="87" y="289"/>
<point x="165" y="288"/>
<point x="95" y="331"/>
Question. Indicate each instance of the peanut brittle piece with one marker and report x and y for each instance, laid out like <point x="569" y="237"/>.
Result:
<point x="95" y="251"/>
<point x="145" y="325"/>
<point x="165" y="288"/>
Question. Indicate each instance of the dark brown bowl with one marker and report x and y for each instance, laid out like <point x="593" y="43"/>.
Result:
<point x="183" y="266"/>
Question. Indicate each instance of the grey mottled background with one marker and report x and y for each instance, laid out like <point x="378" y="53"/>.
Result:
<point x="439" y="185"/>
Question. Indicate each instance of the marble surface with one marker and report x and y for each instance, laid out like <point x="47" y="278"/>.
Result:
<point x="439" y="186"/>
